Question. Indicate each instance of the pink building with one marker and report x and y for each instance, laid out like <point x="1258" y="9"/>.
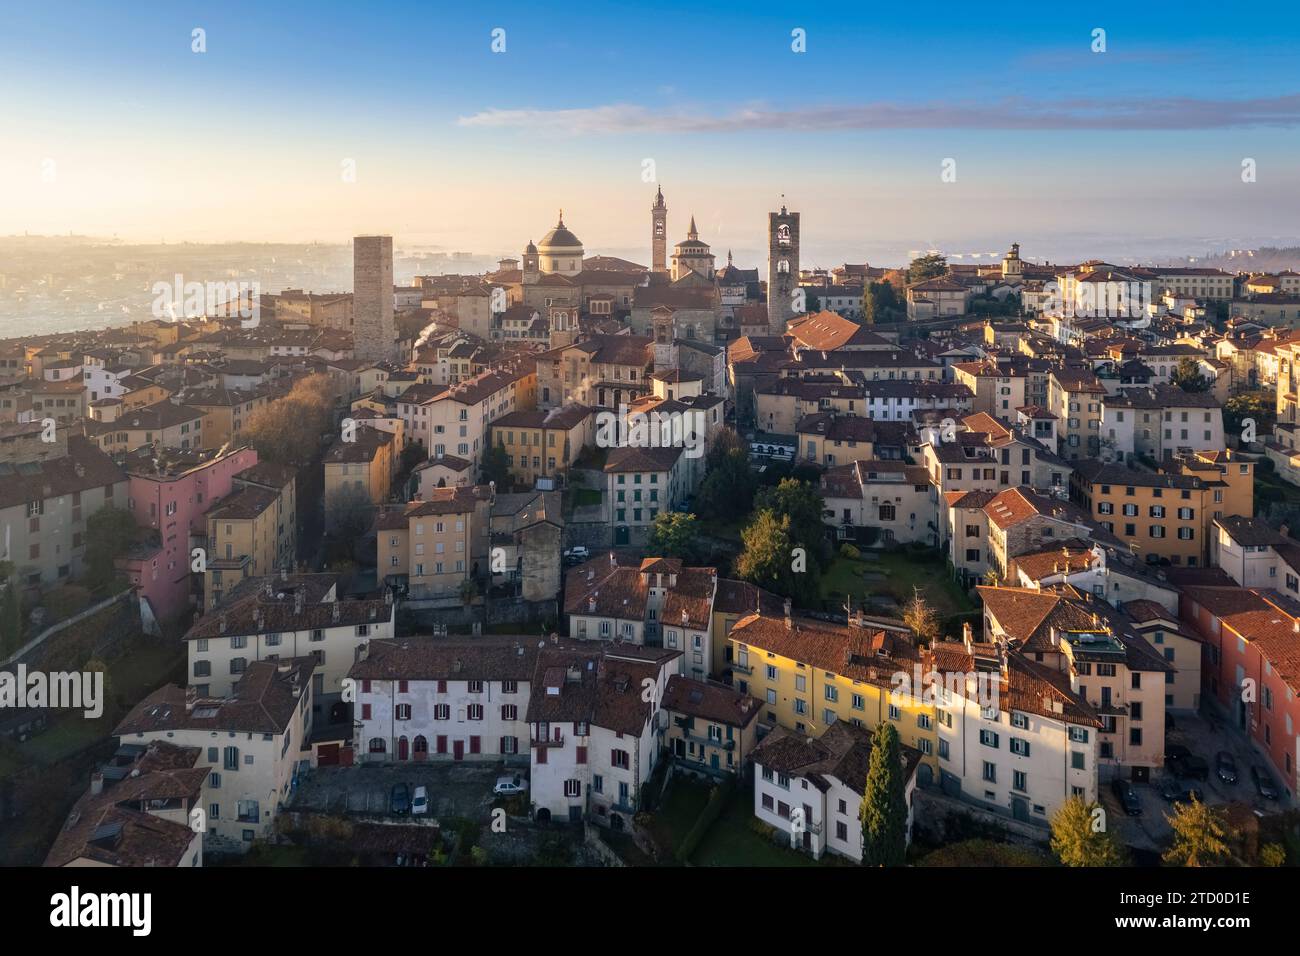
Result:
<point x="1251" y="665"/>
<point x="172" y="494"/>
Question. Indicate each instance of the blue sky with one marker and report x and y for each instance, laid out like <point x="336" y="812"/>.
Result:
<point x="459" y="147"/>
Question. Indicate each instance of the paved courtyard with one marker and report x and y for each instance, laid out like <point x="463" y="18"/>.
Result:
<point x="1205" y="738"/>
<point x="455" y="789"/>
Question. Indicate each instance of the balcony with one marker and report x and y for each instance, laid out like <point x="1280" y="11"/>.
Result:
<point x="544" y="743"/>
<point x="739" y="668"/>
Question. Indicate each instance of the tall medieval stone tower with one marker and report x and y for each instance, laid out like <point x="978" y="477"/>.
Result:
<point x="659" y="233"/>
<point x="782" y="268"/>
<point x="374" y="332"/>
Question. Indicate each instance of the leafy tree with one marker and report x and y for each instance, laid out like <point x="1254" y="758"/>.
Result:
<point x="926" y="267"/>
<point x="676" y="535"/>
<point x="921" y="617"/>
<point x="348" y="512"/>
<point x="884" y="804"/>
<point x="110" y="532"/>
<point x="729" y="482"/>
<point x="1188" y="377"/>
<point x="1256" y="406"/>
<point x="882" y="303"/>
<point x="496" y="466"/>
<point x="468" y="591"/>
<point x="11" y="609"/>
<point x="767" y="559"/>
<point x="1199" y="836"/>
<point x="802" y="502"/>
<point x="292" y="429"/>
<point x="1076" y="841"/>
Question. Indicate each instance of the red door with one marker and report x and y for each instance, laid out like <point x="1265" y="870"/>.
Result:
<point x="458" y="750"/>
<point x="327" y="755"/>
<point x="474" y="746"/>
<point x="403" y="748"/>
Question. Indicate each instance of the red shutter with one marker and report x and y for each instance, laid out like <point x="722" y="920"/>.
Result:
<point x="365" y="687"/>
<point x="442" y="744"/>
<point x="401" y="687"/>
<point x="365" y="711"/>
<point x="541" y="755"/>
<point x="582" y="755"/>
<point x="442" y="687"/>
<point x="474" y="745"/>
<point x="502" y="747"/>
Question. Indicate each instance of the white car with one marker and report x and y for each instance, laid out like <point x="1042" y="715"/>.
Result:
<point x="576" y="555"/>
<point x="420" y="802"/>
<point x="509" y="786"/>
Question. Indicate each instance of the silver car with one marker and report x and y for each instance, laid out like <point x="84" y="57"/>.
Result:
<point x="509" y="786"/>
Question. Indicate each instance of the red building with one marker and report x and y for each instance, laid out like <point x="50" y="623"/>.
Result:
<point x="1251" y="666"/>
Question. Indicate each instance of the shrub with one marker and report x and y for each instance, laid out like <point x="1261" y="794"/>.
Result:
<point x="1272" y="854"/>
<point x="847" y="550"/>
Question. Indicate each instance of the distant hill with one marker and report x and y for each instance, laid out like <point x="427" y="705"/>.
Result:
<point x="1264" y="259"/>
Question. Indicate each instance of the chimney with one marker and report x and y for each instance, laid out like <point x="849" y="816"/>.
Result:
<point x="284" y="574"/>
<point x="96" y="783"/>
<point x="967" y="638"/>
<point x="337" y="612"/>
<point x="788" y="605"/>
<point x="221" y="624"/>
<point x="191" y="696"/>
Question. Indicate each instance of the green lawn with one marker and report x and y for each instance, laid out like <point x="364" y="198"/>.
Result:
<point x="731" y="841"/>
<point x="673" y="818"/>
<point x="585" y="496"/>
<point x="139" y="668"/>
<point x="902" y="572"/>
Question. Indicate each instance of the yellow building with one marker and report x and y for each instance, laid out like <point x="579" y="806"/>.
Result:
<point x="830" y="439"/>
<point x="712" y="730"/>
<point x="543" y="443"/>
<point x="227" y="411"/>
<point x="364" y="465"/>
<point x="809" y="674"/>
<point x="253" y="531"/>
<point x="162" y="425"/>
<point x="435" y="545"/>
<point x="1166" y="516"/>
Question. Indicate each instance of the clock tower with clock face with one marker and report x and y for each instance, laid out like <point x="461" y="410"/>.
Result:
<point x="782" y="268"/>
<point x="659" y="233"/>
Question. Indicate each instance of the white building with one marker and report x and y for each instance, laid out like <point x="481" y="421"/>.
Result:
<point x="812" y="790"/>
<point x="430" y="698"/>
<point x="597" y="729"/>
<point x="253" y="742"/>
<point x="614" y="597"/>
<point x="284" y="616"/>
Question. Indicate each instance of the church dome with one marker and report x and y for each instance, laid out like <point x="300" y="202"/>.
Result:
<point x="560" y="238"/>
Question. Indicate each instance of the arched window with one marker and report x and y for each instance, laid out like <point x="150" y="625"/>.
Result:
<point x="377" y="745"/>
<point x="421" y="744"/>
<point x="783" y="266"/>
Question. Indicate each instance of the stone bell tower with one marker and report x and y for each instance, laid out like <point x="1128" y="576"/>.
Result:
<point x="782" y="268"/>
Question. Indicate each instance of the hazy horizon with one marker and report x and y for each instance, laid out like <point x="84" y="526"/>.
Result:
<point x="430" y="136"/>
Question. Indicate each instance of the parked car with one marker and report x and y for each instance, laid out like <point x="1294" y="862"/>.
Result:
<point x="420" y="802"/>
<point x="1174" y="792"/>
<point x="509" y="786"/>
<point x="1225" y="767"/>
<point x="576" y="554"/>
<point x="399" y="800"/>
<point x="1183" y="763"/>
<point x="1264" y="782"/>
<point x="1127" y="797"/>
